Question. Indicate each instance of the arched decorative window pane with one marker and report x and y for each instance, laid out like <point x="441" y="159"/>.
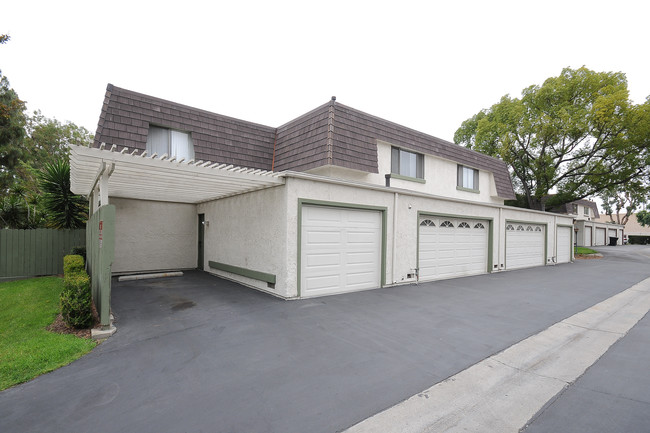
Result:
<point x="447" y="224"/>
<point x="520" y="228"/>
<point x="463" y="225"/>
<point x="481" y="226"/>
<point x="427" y="223"/>
<point x="510" y="227"/>
<point x="538" y="229"/>
<point x="529" y="229"/>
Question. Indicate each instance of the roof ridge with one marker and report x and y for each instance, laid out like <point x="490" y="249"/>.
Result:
<point x="438" y="140"/>
<point x="117" y="90"/>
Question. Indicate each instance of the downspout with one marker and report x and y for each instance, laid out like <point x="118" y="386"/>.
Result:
<point x="501" y="230"/>
<point x="392" y="268"/>
<point x="554" y="241"/>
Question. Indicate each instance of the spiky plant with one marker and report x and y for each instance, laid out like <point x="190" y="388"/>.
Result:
<point x="65" y="210"/>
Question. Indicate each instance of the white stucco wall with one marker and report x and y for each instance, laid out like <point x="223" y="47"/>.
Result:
<point x="440" y="176"/>
<point x="152" y="235"/>
<point x="402" y="214"/>
<point x="249" y="231"/>
<point x="582" y="233"/>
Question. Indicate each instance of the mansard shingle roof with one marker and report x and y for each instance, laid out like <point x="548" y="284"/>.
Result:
<point x="332" y="134"/>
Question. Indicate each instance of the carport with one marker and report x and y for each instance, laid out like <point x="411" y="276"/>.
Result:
<point x="100" y="173"/>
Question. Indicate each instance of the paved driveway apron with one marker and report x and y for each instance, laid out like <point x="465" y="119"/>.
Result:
<point x="198" y="353"/>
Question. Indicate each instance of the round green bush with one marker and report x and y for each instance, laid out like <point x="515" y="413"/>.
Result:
<point x="76" y="301"/>
<point x="73" y="264"/>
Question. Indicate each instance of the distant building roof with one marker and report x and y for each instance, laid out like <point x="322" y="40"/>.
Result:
<point x="567" y="207"/>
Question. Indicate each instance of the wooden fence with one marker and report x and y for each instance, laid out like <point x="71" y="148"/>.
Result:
<point x="34" y="252"/>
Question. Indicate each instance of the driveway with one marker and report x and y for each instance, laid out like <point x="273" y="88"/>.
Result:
<point x="202" y="354"/>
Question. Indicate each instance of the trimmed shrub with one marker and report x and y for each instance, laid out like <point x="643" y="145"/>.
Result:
<point x="76" y="300"/>
<point x="73" y="265"/>
<point x="79" y="251"/>
<point x="638" y="240"/>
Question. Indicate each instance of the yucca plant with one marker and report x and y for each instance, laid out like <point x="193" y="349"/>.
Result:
<point x="65" y="210"/>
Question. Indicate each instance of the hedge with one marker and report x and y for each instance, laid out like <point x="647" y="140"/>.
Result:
<point x="72" y="265"/>
<point x="76" y="297"/>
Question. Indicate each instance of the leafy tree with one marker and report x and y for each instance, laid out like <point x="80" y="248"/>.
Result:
<point x="12" y="132"/>
<point x="577" y="134"/>
<point x="628" y="199"/>
<point x="64" y="209"/>
<point x="643" y="217"/>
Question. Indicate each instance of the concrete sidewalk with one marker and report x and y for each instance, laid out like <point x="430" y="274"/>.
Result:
<point x="504" y="392"/>
<point x="198" y="353"/>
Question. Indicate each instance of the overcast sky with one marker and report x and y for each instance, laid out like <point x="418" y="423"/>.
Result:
<point x="427" y="65"/>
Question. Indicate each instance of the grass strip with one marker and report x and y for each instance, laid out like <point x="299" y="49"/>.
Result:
<point x="27" y="349"/>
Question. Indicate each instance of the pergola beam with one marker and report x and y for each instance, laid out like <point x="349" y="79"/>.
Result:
<point x="130" y="175"/>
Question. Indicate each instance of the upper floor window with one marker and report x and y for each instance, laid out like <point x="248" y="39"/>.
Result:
<point x="586" y="211"/>
<point x="407" y="163"/>
<point x="467" y="177"/>
<point x="169" y="141"/>
<point x="575" y="209"/>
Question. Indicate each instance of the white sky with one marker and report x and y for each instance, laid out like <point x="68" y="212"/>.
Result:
<point x="427" y="65"/>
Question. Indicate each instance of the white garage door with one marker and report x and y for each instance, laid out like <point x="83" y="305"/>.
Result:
<point x="452" y="247"/>
<point x="600" y="236"/>
<point x="587" y="236"/>
<point x="340" y="250"/>
<point x="564" y="244"/>
<point x="524" y="245"/>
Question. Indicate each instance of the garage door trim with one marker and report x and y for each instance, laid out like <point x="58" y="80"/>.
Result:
<point x="537" y="223"/>
<point x="309" y="202"/>
<point x="490" y="221"/>
<point x="573" y="239"/>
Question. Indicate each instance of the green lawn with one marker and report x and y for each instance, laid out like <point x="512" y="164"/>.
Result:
<point x="27" y="350"/>
<point x="583" y="250"/>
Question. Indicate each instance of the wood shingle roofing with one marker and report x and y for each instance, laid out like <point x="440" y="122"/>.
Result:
<point x="332" y="134"/>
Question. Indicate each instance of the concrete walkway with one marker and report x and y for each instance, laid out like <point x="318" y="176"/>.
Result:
<point x="505" y="391"/>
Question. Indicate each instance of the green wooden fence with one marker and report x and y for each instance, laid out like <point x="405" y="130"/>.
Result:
<point x="25" y="253"/>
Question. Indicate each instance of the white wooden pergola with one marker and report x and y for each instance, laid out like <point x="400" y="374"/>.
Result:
<point x="99" y="172"/>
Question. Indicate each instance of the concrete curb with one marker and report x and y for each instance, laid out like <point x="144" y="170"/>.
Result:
<point x="505" y="391"/>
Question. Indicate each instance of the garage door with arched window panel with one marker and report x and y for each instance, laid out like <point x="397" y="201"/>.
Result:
<point x="525" y="245"/>
<point x="452" y="247"/>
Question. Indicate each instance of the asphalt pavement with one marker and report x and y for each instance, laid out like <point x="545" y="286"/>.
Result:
<point x="202" y="354"/>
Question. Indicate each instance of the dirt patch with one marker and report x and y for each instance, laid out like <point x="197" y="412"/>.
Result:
<point x="60" y="327"/>
<point x="588" y="256"/>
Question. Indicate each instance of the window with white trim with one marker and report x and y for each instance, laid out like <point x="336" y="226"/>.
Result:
<point x="407" y="163"/>
<point x="171" y="142"/>
<point x="587" y="211"/>
<point x="467" y="177"/>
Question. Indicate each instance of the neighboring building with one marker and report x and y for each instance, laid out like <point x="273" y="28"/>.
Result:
<point x="333" y="201"/>
<point x="580" y="210"/>
<point x="590" y="229"/>
<point x="632" y="226"/>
